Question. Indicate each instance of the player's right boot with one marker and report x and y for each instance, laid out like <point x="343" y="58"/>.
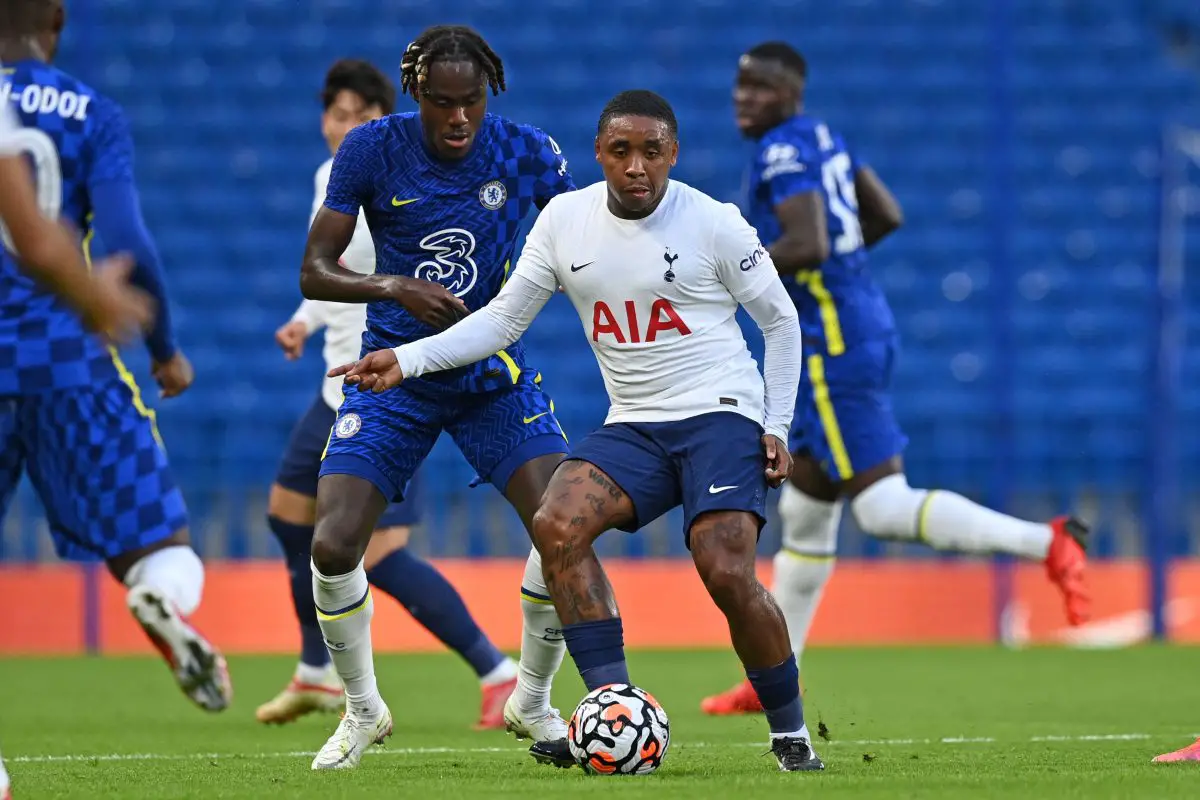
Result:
<point x="199" y="668"/>
<point x="351" y="739"/>
<point x="1066" y="563"/>
<point x="1189" y="753"/>
<point x="741" y="699"/>
<point x="549" y="734"/>
<point x="795" y="754"/>
<point x="299" y="698"/>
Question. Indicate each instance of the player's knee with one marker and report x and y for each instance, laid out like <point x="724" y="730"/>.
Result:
<point x="554" y="528"/>
<point x="291" y="506"/>
<point x="384" y="542"/>
<point x="723" y="549"/>
<point x="333" y="554"/>
<point x="888" y="508"/>
<point x="809" y="525"/>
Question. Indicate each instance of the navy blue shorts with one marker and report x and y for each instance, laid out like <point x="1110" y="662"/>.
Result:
<point x="301" y="464"/>
<point x="94" y="458"/>
<point x="713" y="462"/>
<point x="384" y="437"/>
<point x="844" y="417"/>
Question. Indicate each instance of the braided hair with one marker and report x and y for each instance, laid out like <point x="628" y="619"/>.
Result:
<point x="447" y="43"/>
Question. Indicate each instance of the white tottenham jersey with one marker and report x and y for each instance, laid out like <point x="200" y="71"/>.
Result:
<point x="344" y="323"/>
<point x="657" y="298"/>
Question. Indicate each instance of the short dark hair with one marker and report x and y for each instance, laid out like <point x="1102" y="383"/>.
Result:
<point x="448" y="43"/>
<point x="639" y="103"/>
<point x="361" y="77"/>
<point x="782" y="53"/>
<point x="24" y="17"/>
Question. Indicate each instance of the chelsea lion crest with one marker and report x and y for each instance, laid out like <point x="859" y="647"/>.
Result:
<point x="492" y="195"/>
<point x="347" y="426"/>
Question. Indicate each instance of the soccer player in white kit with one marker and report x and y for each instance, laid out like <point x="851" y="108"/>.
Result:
<point x="656" y="270"/>
<point x="356" y="92"/>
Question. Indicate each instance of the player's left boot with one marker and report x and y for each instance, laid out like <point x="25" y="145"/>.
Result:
<point x="1189" y="753"/>
<point x="549" y="734"/>
<point x="741" y="699"/>
<point x="199" y="667"/>
<point x="299" y="698"/>
<point x="351" y="739"/>
<point x="795" y="754"/>
<point x="1066" y="563"/>
<point x="491" y="709"/>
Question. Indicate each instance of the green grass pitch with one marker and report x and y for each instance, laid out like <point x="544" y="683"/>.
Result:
<point x="904" y="723"/>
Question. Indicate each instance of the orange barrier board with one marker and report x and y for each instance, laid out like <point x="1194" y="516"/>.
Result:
<point x="247" y="608"/>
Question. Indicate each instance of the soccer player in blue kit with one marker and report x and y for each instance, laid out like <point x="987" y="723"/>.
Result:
<point x="444" y="191"/>
<point x="356" y="92"/>
<point x="820" y="208"/>
<point x="70" y="415"/>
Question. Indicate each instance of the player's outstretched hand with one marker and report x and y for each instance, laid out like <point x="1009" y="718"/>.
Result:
<point x="113" y="308"/>
<point x="291" y="338"/>
<point x="429" y="302"/>
<point x="377" y="371"/>
<point x="173" y="376"/>
<point x="779" y="460"/>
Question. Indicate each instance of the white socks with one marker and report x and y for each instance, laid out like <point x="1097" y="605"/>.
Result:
<point x="344" y="611"/>
<point x="503" y="672"/>
<point x="542" y="644"/>
<point x="805" y="562"/>
<point x="890" y="508"/>
<point x="176" y="571"/>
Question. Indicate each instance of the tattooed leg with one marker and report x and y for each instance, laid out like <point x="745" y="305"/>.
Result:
<point x="723" y="549"/>
<point x="581" y="503"/>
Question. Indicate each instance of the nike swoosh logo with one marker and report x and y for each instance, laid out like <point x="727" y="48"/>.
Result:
<point x="714" y="489"/>
<point x="536" y="416"/>
<point x="581" y="266"/>
<point x="397" y="202"/>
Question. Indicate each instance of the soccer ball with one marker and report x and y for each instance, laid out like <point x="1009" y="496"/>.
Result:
<point x="619" y="730"/>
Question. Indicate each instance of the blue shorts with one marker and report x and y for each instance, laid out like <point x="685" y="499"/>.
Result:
<point x="301" y="464"/>
<point x="713" y="462"/>
<point x="384" y="437"/>
<point x="97" y="465"/>
<point x="844" y="417"/>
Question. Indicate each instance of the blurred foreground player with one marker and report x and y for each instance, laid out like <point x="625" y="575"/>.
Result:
<point x="821" y="208"/>
<point x="70" y="414"/>
<point x="444" y="191"/>
<point x="656" y="271"/>
<point x="45" y="250"/>
<point x="356" y="92"/>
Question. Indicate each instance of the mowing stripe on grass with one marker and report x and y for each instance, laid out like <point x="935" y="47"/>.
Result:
<point x="422" y="751"/>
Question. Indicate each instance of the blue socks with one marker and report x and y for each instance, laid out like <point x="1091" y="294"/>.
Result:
<point x="778" y="689"/>
<point x="598" y="649"/>
<point x="296" y="541"/>
<point x="435" y="604"/>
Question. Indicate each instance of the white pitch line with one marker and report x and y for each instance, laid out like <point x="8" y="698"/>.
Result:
<point x="420" y="751"/>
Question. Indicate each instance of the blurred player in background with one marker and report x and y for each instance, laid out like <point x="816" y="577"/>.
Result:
<point x="1189" y="753"/>
<point x="356" y="92"/>
<point x="70" y="414"/>
<point x="821" y="208"/>
<point x="691" y="420"/>
<point x="444" y="191"/>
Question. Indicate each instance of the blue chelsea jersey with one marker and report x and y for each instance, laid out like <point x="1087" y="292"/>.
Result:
<point x="839" y="302"/>
<point x="455" y="223"/>
<point x="76" y="139"/>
